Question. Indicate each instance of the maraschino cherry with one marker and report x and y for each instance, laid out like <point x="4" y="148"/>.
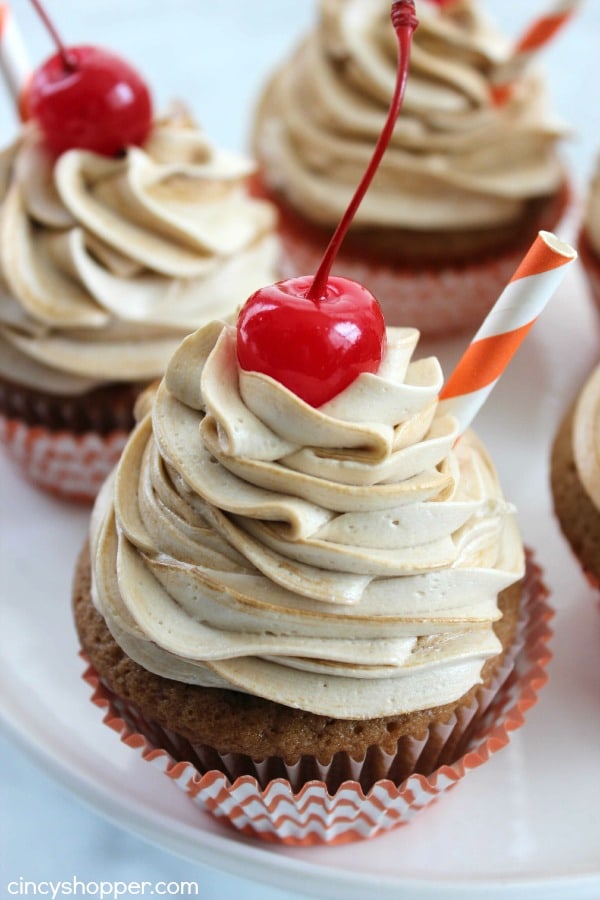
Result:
<point x="316" y="335"/>
<point x="87" y="98"/>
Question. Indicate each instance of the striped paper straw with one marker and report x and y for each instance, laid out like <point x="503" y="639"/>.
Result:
<point x="535" y="38"/>
<point x="505" y="327"/>
<point x="14" y="60"/>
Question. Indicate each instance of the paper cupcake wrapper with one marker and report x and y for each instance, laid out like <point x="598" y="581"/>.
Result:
<point x="591" y="265"/>
<point x="311" y="814"/>
<point x="72" y="466"/>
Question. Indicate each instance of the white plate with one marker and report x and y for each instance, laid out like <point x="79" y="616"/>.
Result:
<point x="524" y="825"/>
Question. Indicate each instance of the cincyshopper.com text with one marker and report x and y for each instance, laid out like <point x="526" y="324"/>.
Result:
<point x="101" y="890"/>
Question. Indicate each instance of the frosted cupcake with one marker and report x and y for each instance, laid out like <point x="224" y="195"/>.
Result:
<point x="589" y="238"/>
<point x="106" y="263"/>
<point x="327" y="596"/>
<point x="464" y="187"/>
<point x="575" y="476"/>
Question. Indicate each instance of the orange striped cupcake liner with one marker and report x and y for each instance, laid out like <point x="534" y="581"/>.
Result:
<point x="71" y="466"/>
<point x="305" y="814"/>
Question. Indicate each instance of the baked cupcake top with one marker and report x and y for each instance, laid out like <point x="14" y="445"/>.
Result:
<point x="344" y="560"/>
<point x="456" y="161"/>
<point x="107" y="263"/>
<point x="586" y="437"/>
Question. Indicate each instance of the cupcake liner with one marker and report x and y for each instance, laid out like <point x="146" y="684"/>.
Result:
<point x="591" y="265"/>
<point x="436" y="301"/>
<point x="295" y="811"/>
<point x="72" y="466"/>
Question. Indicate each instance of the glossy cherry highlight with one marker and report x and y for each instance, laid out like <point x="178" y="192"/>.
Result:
<point x="314" y="348"/>
<point x="87" y="98"/>
<point x="317" y="335"/>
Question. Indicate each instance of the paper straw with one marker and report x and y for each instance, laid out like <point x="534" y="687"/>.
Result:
<point x="14" y="60"/>
<point x="536" y="37"/>
<point x="505" y="327"/>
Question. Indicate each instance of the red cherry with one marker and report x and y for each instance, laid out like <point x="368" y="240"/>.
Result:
<point x="90" y="99"/>
<point x="314" y="348"/>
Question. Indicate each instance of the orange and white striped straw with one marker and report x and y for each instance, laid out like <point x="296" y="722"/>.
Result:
<point x="14" y="59"/>
<point x="505" y="327"/>
<point x="541" y="31"/>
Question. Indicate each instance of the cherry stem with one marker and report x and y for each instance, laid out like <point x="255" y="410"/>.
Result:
<point x="68" y="61"/>
<point x="405" y="21"/>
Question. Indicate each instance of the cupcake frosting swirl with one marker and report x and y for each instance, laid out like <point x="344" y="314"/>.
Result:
<point x="107" y="263"/>
<point x="344" y="560"/>
<point x="586" y="437"/>
<point x="456" y="159"/>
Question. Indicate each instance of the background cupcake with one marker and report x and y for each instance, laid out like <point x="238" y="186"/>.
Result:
<point x="575" y="476"/>
<point x="589" y="237"/>
<point x="105" y="264"/>
<point x="464" y="187"/>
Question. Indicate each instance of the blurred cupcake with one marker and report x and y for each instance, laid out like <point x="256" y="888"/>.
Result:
<point x="106" y="263"/>
<point x="589" y="238"/>
<point x="313" y="610"/>
<point x="465" y="184"/>
<point x="575" y="477"/>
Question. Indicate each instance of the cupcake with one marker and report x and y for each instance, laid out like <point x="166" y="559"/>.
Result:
<point x="309" y="615"/>
<point x="106" y="263"/>
<point x="464" y="187"/>
<point x="575" y="477"/>
<point x="589" y="238"/>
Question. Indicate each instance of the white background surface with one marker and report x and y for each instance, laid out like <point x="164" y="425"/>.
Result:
<point x="525" y="825"/>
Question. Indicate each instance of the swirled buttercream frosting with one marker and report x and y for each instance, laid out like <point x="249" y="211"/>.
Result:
<point x="106" y="264"/>
<point x="456" y="161"/>
<point x="586" y="437"/>
<point x="344" y="560"/>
